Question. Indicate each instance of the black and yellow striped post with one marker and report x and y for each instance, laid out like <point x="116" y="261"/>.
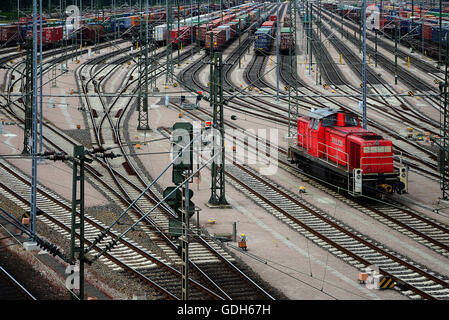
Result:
<point x="386" y="283"/>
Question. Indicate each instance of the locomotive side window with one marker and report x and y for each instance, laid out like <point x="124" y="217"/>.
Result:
<point x="377" y="149"/>
<point x="315" y="123"/>
<point x="329" y="121"/>
<point x="351" y="121"/>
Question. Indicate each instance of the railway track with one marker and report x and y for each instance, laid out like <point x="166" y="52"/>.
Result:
<point x="11" y="289"/>
<point x="279" y="114"/>
<point x="342" y="241"/>
<point x="197" y="250"/>
<point x="414" y="83"/>
<point x="411" y="223"/>
<point x="206" y="250"/>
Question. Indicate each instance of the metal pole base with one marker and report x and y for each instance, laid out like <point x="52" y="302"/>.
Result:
<point x="147" y="128"/>
<point x="223" y="204"/>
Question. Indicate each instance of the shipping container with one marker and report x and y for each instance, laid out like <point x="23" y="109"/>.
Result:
<point x="9" y="33"/>
<point x="227" y="32"/>
<point x="436" y="35"/>
<point x="219" y="38"/>
<point x="234" y="28"/>
<point x="262" y="40"/>
<point x="286" y="39"/>
<point x="183" y="34"/>
<point x="52" y="35"/>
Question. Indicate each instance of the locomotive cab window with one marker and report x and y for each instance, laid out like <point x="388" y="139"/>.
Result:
<point x="377" y="149"/>
<point x="351" y="121"/>
<point x="314" y="124"/>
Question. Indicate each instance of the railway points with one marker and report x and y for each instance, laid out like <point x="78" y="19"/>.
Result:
<point x="318" y="201"/>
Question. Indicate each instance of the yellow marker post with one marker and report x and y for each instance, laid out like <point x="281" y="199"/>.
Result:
<point x="341" y="59"/>
<point x="408" y="62"/>
<point x="271" y="60"/>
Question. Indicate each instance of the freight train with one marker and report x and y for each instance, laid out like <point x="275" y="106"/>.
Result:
<point x="424" y="25"/>
<point x="266" y="35"/>
<point x="99" y="28"/>
<point x="331" y="145"/>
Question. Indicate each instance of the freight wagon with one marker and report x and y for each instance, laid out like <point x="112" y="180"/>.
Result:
<point x="10" y="33"/>
<point x="182" y="35"/>
<point x="91" y="33"/>
<point x="286" y="40"/>
<point x="50" y="35"/>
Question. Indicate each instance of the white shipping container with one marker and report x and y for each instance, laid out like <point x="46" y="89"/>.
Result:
<point x="160" y="32"/>
<point x="67" y="31"/>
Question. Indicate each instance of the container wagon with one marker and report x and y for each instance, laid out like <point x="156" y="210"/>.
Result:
<point x="263" y="40"/>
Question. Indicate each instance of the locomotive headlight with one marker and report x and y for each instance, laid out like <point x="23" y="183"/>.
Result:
<point x="403" y="175"/>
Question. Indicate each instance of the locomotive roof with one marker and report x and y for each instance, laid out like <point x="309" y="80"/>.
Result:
<point x="323" y="113"/>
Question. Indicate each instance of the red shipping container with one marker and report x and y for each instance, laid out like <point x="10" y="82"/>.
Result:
<point x="219" y="38"/>
<point x="8" y="33"/>
<point x="203" y="29"/>
<point x="29" y="34"/>
<point x="52" y="34"/>
<point x="181" y="35"/>
<point x="427" y="31"/>
<point x="268" y="24"/>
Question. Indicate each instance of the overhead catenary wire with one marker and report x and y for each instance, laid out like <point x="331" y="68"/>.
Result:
<point x="103" y="233"/>
<point x="113" y="242"/>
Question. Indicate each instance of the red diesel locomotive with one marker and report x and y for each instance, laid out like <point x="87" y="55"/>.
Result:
<point x="332" y="145"/>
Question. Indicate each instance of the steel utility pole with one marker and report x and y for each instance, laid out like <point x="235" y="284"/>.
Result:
<point x="40" y="78"/>
<point x="363" y="13"/>
<point x="218" y="198"/>
<point x="179" y="31"/>
<point x="143" y="73"/>
<point x="77" y="223"/>
<point x="440" y="33"/>
<point x="395" y="53"/>
<point x="443" y="158"/>
<point x="34" y="130"/>
<point x="309" y="31"/>
<point x="169" y="51"/>
<point x="278" y="62"/>
<point x="28" y="101"/>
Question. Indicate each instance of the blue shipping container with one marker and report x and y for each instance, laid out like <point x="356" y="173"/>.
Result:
<point x="263" y="39"/>
<point x="436" y="35"/>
